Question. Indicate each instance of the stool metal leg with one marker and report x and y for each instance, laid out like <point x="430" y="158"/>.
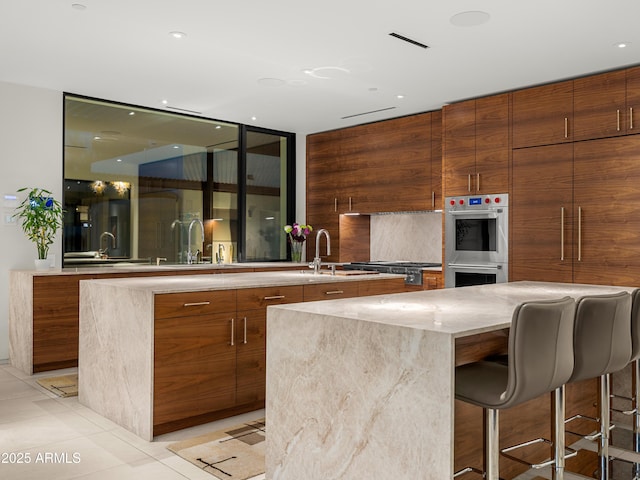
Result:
<point x="635" y="393"/>
<point x="603" y="450"/>
<point x="557" y="473"/>
<point x="491" y="446"/>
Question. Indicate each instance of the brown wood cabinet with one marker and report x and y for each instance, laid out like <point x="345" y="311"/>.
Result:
<point x="210" y="347"/>
<point x="542" y="214"/>
<point x="573" y="214"/>
<point x="607" y="225"/>
<point x="378" y="167"/>
<point x="604" y="104"/>
<point x="543" y="115"/>
<point x="476" y="147"/>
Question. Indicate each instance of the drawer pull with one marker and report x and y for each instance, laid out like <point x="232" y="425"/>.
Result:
<point x="334" y="292"/>
<point x="196" y="304"/>
<point x="274" y="297"/>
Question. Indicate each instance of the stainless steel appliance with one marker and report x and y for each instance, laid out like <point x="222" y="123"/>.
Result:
<point x="411" y="270"/>
<point x="476" y="239"/>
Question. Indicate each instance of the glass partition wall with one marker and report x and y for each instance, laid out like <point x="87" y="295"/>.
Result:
<point x="148" y="186"/>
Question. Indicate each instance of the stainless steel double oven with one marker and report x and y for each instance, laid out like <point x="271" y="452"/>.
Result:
<point x="476" y="240"/>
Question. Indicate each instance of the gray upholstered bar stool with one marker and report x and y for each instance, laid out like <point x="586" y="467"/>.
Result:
<point x="602" y="345"/>
<point x="540" y="360"/>
<point x="634" y="411"/>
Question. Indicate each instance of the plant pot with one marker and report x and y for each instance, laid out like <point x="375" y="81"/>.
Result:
<point x="42" y="264"/>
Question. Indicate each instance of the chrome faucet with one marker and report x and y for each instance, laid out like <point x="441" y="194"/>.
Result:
<point x="113" y="242"/>
<point x="317" y="261"/>
<point x="191" y="256"/>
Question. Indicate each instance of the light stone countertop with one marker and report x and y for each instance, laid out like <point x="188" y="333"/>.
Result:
<point x="229" y="281"/>
<point x="455" y="311"/>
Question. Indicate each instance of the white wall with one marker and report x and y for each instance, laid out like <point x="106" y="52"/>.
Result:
<point x="30" y="156"/>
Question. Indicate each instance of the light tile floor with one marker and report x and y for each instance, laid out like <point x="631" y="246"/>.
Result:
<point x="62" y="439"/>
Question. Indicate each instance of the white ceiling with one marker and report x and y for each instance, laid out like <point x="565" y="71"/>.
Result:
<point x="121" y="50"/>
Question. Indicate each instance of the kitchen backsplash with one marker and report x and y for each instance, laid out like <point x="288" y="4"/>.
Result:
<point x="415" y="237"/>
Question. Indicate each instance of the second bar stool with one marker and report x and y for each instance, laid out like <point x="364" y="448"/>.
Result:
<point x="540" y="360"/>
<point x="602" y="345"/>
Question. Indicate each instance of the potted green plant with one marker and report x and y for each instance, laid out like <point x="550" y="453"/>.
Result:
<point x="41" y="217"/>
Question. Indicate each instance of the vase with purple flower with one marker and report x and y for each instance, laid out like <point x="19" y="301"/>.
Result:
<point x="297" y="234"/>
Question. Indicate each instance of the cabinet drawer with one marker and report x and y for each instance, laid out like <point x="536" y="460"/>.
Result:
<point x="330" y="291"/>
<point x="169" y="305"/>
<point x="381" y="287"/>
<point x="252" y="298"/>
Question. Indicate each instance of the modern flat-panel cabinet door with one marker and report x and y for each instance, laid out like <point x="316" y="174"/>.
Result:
<point x="632" y="112"/>
<point x="541" y="214"/>
<point x="543" y="115"/>
<point x="251" y="338"/>
<point x="436" y="160"/>
<point x="607" y="224"/>
<point x="599" y="106"/>
<point x="492" y="144"/>
<point x="459" y="147"/>
<point x="195" y="366"/>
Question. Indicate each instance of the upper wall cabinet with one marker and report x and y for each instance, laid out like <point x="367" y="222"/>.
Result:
<point x="543" y="115"/>
<point x="600" y="105"/>
<point x="476" y="148"/>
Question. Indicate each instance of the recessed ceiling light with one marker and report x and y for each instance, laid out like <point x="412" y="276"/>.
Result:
<point x="622" y="44"/>
<point x="176" y="34"/>
<point x="165" y="102"/>
<point x="470" y="19"/>
<point x="399" y="97"/>
<point x="131" y="114"/>
<point x="218" y="127"/>
<point x="271" y="82"/>
<point x="254" y="118"/>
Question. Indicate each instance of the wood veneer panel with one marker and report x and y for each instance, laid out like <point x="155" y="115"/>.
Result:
<point x="599" y="106"/>
<point x="256" y="298"/>
<point x="355" y="239"/>
<point x="330" y="291"/>
<point x="170" y="305"/>
<point x="539" y="113"/>
<point x="251" y="357"/>
<point x="194" y="366"/>
<point x="381" y="287"/>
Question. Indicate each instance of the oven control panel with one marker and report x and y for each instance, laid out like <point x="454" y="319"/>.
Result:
<point x="477" y="202"/>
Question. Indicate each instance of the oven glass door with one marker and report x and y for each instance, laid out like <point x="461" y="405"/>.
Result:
<point x="476" y="237"/>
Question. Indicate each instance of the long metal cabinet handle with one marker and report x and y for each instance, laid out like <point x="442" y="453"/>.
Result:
<point x="274" y="297"/>
<point x="579" y="234"/>
<point x="630" y="118"/>
<point x="618" y="119"/>
<point x="334" y="292"/>
<point x="335" y="204"/>
<point x="562" y="234"/>
<point x="244" y="340"/>
<point x="349" y="203"/>
<point x="196" y="304"/>
<point x="566" y="127"/>
<point x="433" y="199"/>
<point x="469" y="182"/>
<point x="477" y="182"/>
<point x="233" y="332"/>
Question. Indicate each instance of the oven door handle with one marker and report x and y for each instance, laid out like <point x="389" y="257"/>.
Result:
<point x="473" y="213"/>
<point x="470" y="265"/>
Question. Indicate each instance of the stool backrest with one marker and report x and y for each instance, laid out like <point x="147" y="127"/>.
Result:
<point x="540" y="349"/>
<point x="602" y="340"/>
<point x="635" y="325"/>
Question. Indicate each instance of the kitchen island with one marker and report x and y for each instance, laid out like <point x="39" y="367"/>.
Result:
<point x="158" y="354"/>
<point x="364" y="387"/>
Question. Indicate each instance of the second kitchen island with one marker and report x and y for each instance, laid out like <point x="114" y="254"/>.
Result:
<point x="364" y="387"/>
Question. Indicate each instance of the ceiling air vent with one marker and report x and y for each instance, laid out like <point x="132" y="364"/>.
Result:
<point x="408" y="40"/>
<point x="367" y="113"/>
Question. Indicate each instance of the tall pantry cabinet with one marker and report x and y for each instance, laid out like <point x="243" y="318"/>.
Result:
<point x="575" y="182"/>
